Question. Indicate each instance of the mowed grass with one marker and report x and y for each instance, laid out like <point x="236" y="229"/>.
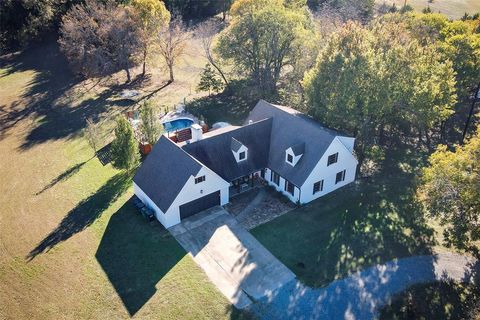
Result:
<point x="454" y="9"/>
<point x="71" y="245"/>
<point x="363" y="224"/>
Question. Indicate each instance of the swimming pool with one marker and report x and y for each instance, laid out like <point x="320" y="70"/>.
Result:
<point x="177" y="124"/>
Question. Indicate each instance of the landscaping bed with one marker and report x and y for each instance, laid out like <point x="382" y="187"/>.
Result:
<point x="271" y="204"/>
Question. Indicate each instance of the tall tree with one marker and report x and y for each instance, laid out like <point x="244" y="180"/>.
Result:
<point x="207" y="31"/>
<point x="22" y="21"/>
<point x="171" y="43"/>
<point x="100" y="38"/>
<point x="450" y="191"/>
<point x="153" y="17"/>
<point x="264" y="38"/>
<point x="124" y="147"/>
<point x="150" y="127"/>
<point x="369" y="81"/>
<point x="209" y="81"/>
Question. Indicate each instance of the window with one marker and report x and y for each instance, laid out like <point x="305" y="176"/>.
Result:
<point x="289" y="158"/>
<point x="275" y="178"/>
<point x="333" y="158"/>
<point x="340" y="177"/>
<point x="318" y="186"/>
<point x="241" y="155"/>
<point x="289" y="187"/>
<point x="199" y="179"/>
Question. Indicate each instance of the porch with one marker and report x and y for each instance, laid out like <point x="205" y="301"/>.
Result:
<point x="246" y="183"/>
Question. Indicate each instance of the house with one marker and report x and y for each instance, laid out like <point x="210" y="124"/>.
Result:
<point x="289" y="150"/>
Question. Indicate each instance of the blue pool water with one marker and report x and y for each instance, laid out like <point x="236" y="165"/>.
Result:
<point x="177" y="124"/>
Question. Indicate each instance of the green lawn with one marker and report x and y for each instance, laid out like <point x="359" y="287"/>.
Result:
<point x="71" y="246"/>
<point x="445" y="300"/>
<point x="352" y="228"/>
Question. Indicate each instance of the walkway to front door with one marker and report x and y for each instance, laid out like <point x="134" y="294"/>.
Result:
<point x="230" y="256"/>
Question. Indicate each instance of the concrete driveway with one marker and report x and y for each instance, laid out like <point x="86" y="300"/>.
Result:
<point x="240" y="267"/>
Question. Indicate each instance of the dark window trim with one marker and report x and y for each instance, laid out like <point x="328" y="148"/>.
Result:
<point x="335" y="159"/>
<point x="319" y="188"/>
<point x="288" y="158"/>
<point x="341" y="177"/>
<point x="199" y="179"/>
<point x="288" y="184"/>
<point x="240" y="155"/>
<point x="275" y="178"/>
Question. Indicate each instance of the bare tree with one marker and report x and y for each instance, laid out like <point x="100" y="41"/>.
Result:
<point x="100" y="38"/>
<point x="171" y="43"/>
<point x="92" y="135"/>
<point x="207" y="32"/>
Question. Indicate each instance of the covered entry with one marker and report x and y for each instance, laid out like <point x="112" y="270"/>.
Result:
<point x="200" y="204"/>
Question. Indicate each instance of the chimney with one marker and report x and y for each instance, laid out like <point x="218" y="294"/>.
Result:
<point x="197" y="132"/>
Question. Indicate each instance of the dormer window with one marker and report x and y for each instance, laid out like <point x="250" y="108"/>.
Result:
<point x="294" y="153"/>
<point x="290" y="158"/>
<point x="239" y="150"/>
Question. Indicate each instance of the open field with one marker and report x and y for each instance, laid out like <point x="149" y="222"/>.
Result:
<point x="71" y="246"/>
<point x="454" y="9"/>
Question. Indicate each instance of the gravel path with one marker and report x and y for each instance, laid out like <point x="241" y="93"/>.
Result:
<point x="249" y="208"/>
<point x="360" y="295"/>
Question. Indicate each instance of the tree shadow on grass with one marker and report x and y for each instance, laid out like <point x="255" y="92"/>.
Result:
<point x="445" y="299"/>
<point x="84" y="214"/>
<point x="49" y="97"/>
<point x="136" y="256"/>
<point x="366" y="223"/>
<point x="63" y="176"/>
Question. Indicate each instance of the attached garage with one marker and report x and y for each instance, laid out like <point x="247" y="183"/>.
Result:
<point x="190" y="208"/>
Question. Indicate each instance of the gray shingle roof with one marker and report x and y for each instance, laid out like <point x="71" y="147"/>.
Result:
<point x="291" y="128"/>
<point x="235" y="145"/>
<point x="164" y="172"/>
<point x="298" y="149"/>
<point x="268" y="131"/>
<point x="216" y="152"/>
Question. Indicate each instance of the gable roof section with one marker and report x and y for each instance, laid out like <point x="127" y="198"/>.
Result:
<point x="291" y="128"/>
<point x="216" y="151"/>
<point x="164" y="172"/>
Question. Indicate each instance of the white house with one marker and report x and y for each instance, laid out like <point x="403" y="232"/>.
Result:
<point x="289" y="150"/>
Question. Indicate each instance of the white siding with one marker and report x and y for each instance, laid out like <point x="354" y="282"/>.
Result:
<point x="347" y="142"/>
<point x="281" y="187"/>
<point x="346" y="161"/>
<point x="166" y="220"/>
<point x="237" y="154"/>
<point x="189" y="192"/>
